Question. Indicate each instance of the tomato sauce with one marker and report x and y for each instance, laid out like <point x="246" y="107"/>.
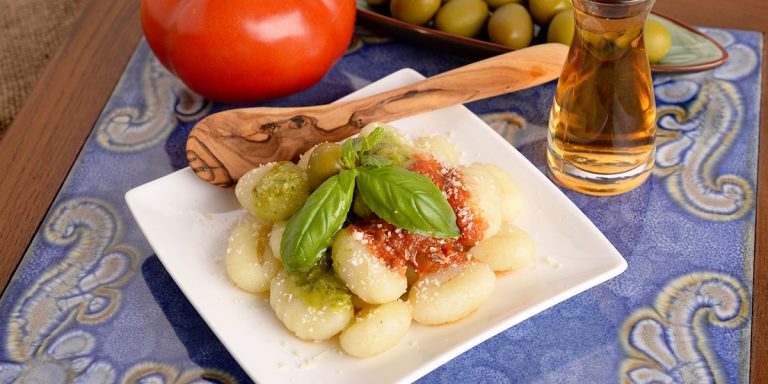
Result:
<point x="400" y="248"/>
<point x="449" y="181"/>
<point x="430" y="168"/>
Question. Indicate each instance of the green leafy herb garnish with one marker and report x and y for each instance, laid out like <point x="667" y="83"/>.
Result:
<point x="402" y="198"/>
<point x="370" y="160"/>
<point x="407" y="200"/>
<point x="348" y="154"/>
<point x="354" y="149"/>
<point x="310" y="230"/>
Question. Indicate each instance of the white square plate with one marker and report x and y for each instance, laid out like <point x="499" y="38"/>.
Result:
<point x="188" y="221"/>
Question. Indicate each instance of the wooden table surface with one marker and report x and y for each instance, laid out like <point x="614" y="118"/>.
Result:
<point x="47" y="135"/>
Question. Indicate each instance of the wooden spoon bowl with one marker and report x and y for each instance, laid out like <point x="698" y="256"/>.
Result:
<point x="225" y="145"/>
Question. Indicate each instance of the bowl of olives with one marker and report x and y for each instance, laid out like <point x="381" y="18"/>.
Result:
<point x="483" y="28"/>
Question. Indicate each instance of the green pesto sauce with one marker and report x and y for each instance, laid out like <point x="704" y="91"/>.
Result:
<point x="320" y="287"/>
<point x="281" y="191"/>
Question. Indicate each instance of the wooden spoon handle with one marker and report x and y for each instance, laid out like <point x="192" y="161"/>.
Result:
<point x="494" y="76"/>
<point x="223" y="146"/>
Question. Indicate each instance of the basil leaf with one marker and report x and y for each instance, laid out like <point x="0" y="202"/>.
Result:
<point x="353" y="149"/>
<point x="407" y="200"/>
<point x="310" y="230"/>
<point x="357" y="143"/>
<point x="371" y="139"/>
<point x="374" y="160"/>
<point x="348" y="154"/>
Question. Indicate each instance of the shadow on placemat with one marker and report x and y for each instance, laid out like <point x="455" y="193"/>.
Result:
<point x="201" y="344"/>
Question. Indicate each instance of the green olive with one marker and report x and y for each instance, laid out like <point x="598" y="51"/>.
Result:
<point x="359" y="207"/>
<point x="280" y="192"/>
<point x="498" y="3"/>
<point x="658" y="40"/>
<point x="462" y="17"/>
<point x="324" y="162"/>
<point x="544" y="10"/>
<point x="511" y="25"/>
<point x="417" y="12"/>
<point x="561" y="28"/>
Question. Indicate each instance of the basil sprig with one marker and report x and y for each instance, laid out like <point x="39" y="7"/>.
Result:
<point x="310" y="230"/>
<point x="407" y="200"/>
<point x="402" y="198"/>
<point x="374" y="160"/>
<point x="354" y="149"/>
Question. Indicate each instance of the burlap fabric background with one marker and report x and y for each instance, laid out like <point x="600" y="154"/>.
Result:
<point x="30" y="32"/>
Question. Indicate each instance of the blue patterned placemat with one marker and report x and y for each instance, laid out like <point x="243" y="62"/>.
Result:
<point x="90" y="303"/>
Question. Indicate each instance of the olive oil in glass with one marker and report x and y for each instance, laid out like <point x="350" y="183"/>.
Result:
<point x="602" y="127"/>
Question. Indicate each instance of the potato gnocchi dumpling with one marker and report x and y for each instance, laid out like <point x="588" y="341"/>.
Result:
<point x="451" y="294"/>
<point x="309" y="322"/>
<point x="440" y="148"/>
<point x="509" y="193"/>
<point x="509" y="250"/>
<point x="273" y="191"/>
<point x="275" y="236"/>
<point x="366" y="275"/>
<point x="394" y="145"/>
<point x="485" y="196"/>
<point x="304" y="158"/>
<point x="376" y="329"/>
<point x="250" y="264"/>
<point x="244" y="187"/>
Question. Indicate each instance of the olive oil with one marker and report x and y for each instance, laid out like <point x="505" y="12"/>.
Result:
<point x="602" y="126"/>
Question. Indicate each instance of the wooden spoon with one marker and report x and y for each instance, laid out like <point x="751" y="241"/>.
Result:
<point x="225" y="145"/>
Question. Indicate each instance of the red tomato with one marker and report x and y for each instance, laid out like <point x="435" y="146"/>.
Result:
<point x="239" y="51"/>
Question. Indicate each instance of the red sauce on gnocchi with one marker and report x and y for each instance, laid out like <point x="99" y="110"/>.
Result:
<point x="449" y="181"/>
<point x="400" y="248"/>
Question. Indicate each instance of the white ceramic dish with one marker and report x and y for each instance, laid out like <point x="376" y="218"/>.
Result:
<point x="187" y="223"/>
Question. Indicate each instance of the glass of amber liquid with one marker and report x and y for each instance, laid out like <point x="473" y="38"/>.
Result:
<point x="602" y="127"/>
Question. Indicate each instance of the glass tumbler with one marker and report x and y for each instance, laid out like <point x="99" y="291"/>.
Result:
<point x="602" y="127"/>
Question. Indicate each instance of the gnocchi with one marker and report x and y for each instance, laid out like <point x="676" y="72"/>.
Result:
<point x="375" y="278"/>
<point x="509" y="193"/>
<point x="376" y="329"/>
<point x="275" y="236"/>
<point x="394" y="145"/>
<point x="451" y="294"/>
<point x="249" y="260"/>
<point x="484" y="196"/>
<point x="309" y="321"/>
<point x="509" y="250"/>
<point x="304" y="158"/>
<point x="440" y="148"/>
<point x="244" y="187"/>
<point x="274" y="191"/>
<point x="366" y="275"/>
